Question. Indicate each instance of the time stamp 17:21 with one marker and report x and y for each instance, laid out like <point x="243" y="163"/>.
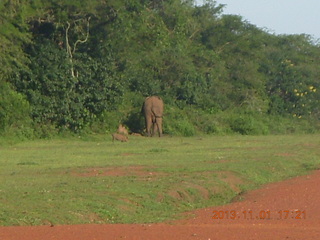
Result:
<point x="259" y="215"/>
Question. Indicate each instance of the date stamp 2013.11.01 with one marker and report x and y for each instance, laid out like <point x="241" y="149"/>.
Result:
<point x="259" y="215"/>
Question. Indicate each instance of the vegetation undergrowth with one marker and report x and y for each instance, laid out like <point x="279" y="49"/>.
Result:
<point x="90" y="179"/>
<point x="86" y="66"/>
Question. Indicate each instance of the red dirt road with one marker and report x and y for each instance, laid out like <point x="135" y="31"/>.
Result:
<point x="287" y="210"/>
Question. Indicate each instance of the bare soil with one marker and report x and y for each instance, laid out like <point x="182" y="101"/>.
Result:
<point x="285" y="210"/>
<point x="137" y="171"/>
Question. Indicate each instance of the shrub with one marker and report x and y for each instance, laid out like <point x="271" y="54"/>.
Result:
<point x="176" y="122"/>
<point x="248" y="125"/>
<point x="14" y="111"/>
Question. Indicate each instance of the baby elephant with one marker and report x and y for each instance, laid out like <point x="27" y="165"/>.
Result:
<point x="119" y="137"/>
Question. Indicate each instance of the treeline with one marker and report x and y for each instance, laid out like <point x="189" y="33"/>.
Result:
<point x="82" y="65"/>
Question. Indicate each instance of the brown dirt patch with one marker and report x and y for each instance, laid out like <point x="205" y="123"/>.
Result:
<point x="181" y="190"/>
<point x="299" y="197"/>
<point x="231" y="179"/>
<point x="138" y="171"/>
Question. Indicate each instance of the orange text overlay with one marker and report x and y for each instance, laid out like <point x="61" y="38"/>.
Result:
<point x="260" y="214"/>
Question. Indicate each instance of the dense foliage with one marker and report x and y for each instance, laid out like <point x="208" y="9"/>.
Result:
<point x="88" y="64"/>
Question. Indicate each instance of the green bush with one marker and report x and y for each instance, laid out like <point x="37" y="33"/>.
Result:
<point x="107" y="122"/>
<point x="205" y="122"/>
<point x="248" y="125"/>
<point x="14" y="112"/>
<point x="131" y="109"/>
<point x="135" y="121"/>
<point x="45" y="130"/>
<point x="291" y="125"/>
<point x="176" y="122"/>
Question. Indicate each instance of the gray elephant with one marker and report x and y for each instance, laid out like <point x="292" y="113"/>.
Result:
<point x="153" y="113"/>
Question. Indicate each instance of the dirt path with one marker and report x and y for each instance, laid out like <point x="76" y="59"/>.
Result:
<point x="286" y="210"/>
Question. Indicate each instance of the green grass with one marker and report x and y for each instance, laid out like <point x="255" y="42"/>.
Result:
<point x="93" y="180"/>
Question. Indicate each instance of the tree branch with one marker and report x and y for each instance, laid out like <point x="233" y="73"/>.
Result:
<point x="69" y="51"/>
<point x="86" y="38"/>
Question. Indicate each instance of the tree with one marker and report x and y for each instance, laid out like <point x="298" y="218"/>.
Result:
<point x="292" y="75"/>
<point x="14" y="34"/>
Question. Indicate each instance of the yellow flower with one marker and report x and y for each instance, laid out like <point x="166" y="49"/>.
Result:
<point x="295" y="90"/>
<point x="314" y="90"/>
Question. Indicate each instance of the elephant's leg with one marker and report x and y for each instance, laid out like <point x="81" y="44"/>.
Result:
<point x="149" y="124"/>
<point x="159" y="125"/>
<point x="155" y="127"/>
<point x="153" y="122"/>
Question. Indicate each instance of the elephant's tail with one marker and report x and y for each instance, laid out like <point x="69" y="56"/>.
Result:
<point x="156" y="115"/>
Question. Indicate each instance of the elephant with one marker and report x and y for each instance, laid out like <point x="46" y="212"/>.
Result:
<point x="153" y="113"/>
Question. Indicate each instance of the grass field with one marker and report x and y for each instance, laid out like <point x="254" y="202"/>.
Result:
<point x="93" y="180"/>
